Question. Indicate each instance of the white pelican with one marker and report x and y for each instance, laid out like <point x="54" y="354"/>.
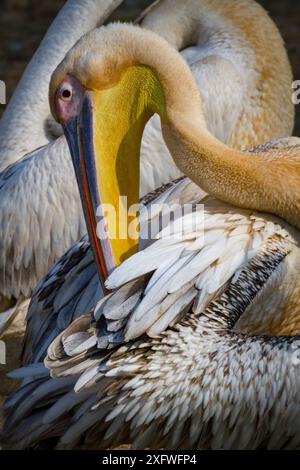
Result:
<point x="224" y="67"/>
<point x="158" y="363"/>
<point x="234" y="50"/>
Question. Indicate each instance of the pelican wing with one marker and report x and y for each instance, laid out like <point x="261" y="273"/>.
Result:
<point x="200" y="385"/>
<point x="156" y="287"/>
<point x="36" y="231"/>
<point x="190" y="261"/>
<point x="284" y="143"/>
<point x="153" y="290"/>
<point x="72" y="289"/>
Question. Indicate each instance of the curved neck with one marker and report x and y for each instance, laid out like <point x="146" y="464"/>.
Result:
<point x="22" y="125"/>
<point x="267" y="181"/>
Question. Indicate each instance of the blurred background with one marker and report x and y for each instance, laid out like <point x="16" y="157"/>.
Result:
<point x="24" y="22"/>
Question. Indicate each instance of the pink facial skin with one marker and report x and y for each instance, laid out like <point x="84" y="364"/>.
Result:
<point x="68" y="99"/>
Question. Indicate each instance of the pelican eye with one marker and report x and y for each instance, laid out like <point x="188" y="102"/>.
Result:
<point x="66" y="92"/>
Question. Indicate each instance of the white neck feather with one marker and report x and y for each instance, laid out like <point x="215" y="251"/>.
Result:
<point x="22" y="127"/>
<point x="208" y="27"/>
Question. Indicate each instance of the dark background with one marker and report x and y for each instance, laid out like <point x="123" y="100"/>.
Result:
<point x="24" y="22"/>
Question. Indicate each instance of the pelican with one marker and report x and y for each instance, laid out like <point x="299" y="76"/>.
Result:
<point x="159" y="361"/>
<point x="224" y="65"/>
<point x="232" y="50"/>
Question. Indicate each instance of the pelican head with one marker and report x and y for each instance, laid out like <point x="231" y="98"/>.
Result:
<point x="103" y="97"/>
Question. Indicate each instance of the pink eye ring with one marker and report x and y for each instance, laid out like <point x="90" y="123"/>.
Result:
<point x="66" y="92"/>
<point x="68" y="99"/>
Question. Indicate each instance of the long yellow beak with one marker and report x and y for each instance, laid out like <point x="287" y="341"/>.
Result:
<point x="105" y="145"/>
